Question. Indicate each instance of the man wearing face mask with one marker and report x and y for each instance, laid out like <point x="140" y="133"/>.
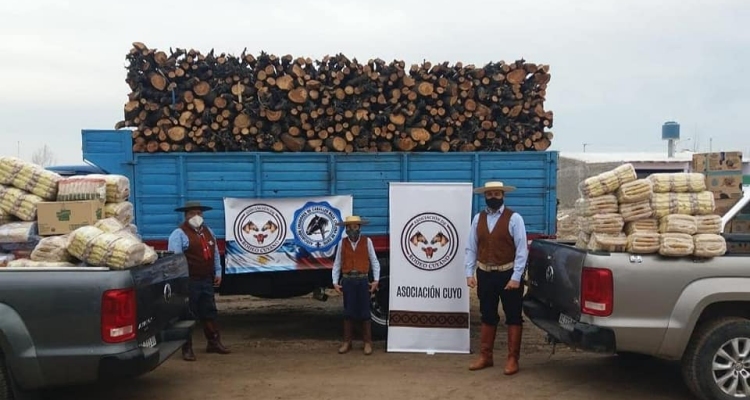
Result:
<point x="198" y="242"/>
<point x="497" y="249"/>
<point x="355" y="256"/>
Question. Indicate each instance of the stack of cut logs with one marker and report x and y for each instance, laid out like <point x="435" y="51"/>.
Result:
<point x="188" y="101"/>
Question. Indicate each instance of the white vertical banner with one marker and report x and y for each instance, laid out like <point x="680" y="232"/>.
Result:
<point x="428" y="296"/>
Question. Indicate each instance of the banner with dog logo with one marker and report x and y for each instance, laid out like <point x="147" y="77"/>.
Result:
<point x="284" y="234"/>
<point x="428" y="295"/>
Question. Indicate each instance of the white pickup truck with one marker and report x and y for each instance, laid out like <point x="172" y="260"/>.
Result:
<point x="692" y="310"/>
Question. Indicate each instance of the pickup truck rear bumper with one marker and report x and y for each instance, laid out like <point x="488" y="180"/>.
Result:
<point x="580" y="335"/>
<point x="145" y="359"/>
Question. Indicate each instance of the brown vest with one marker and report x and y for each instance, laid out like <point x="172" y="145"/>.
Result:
<point x="496" y="247"/>
<point x="198" y="265"/>
<point x="355" y="259"/>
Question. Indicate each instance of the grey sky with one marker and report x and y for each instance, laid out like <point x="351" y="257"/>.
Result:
<point x="619" y="68"/>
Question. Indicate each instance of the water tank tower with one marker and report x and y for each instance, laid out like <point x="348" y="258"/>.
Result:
<point x="670" y="132"/>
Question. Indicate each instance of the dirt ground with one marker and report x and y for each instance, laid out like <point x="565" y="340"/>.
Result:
<point x="286" y="349"/>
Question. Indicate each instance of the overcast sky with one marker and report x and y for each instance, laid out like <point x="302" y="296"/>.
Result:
<point x="619" y="68"/>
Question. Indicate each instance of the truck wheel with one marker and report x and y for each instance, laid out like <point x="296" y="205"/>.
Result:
<point x="6" y="390"/>
<point x="379" y="310"/>
<point x="716" y="364"/>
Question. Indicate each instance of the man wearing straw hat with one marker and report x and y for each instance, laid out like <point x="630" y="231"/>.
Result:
<point x="497" y="249"/>
<point x="355" y="256"/>
<point x="198" y="242"/>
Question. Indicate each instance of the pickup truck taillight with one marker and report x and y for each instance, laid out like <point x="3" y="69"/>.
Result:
<point x="597" y="291"/>
<point x="118" y="315"/>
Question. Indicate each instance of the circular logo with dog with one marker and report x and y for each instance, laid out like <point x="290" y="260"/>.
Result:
<point x="429" y="241"/>
<point x="260" y="229"/>
<point x="316" y="226"/>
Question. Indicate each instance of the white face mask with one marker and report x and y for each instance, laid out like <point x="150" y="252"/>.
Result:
<point x="196" y="221"/>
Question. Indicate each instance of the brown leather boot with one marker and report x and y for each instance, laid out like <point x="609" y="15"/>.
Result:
<point x="487" y="345"/>
<point x="367" y="336"/>
<point x="187" y="350"/>
<point x="347" y="345"/>
<point x="514" y="349"/>
<point x="211" y="331"/>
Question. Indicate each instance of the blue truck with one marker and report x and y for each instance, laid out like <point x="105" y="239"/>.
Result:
<point x="160" y="182"/>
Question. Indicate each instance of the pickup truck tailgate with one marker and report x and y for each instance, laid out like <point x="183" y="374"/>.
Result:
<point x="161" y="297"/>
<point x="554" y="275"/>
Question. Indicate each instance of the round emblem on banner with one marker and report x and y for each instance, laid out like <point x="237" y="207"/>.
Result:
<point x="429" y="241"/>
<point x="260" y="229"/>
<point x="316" y="226"/>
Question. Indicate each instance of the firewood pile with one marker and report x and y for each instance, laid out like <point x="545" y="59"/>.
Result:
<point x="188" y="101"/>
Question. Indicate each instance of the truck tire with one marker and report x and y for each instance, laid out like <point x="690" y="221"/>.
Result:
<point x="6" y="389"/>
<point x="379" y="310"/>
<point x="724" y="341"/>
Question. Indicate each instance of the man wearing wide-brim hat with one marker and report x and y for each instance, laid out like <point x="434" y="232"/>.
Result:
<point x="355" y="256"/>
<point x="197" y="242"/>
<point x="498" y="251"/>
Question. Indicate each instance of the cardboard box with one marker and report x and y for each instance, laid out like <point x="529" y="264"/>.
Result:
<point x="724" y="185"/>
<point x="721" y="206"/>
<point x="719" y="161"/>
<point x="61" y="217"/>
<point x="738" y="248"/>
<point x="739" y="226"/>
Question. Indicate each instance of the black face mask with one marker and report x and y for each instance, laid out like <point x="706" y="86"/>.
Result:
<point x="494" y="203"/>
<point x="353" y="234"/>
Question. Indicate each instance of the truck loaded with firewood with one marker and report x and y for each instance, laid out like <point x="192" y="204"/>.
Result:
<point x="205" y="127"/>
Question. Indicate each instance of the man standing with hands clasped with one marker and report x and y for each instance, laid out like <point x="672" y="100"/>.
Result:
<point x="355" y="256"/>
<point x="497" y="249"/>
<point x="198" y="242"/>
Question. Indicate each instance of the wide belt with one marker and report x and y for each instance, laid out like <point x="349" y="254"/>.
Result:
<point x="494" y="267"/>
<point x="355" y="274"/>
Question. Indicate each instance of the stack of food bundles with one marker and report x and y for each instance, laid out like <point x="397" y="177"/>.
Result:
<point x="685" y="210"/>
<point x="670" y="214"/>
<point x="22" y="187"/>
<point x="114" y="190"/>
<point x="111" y="241"/>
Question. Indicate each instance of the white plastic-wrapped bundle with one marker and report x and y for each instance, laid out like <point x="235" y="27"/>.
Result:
<point x="118" y="187"/>
<point x="615" y="243"/>
<point x="18" y="232"/>
<point x="636" y="211"/>
<point x="123" y="211"/>
<point x="5" y="216"/>
<point x="678" y="182"/>
<point x="607" y="182"/>
<point x="644" y="242"/>
<point x="708" y="224"/>
<point x="99" y="248"/>
<point x="635" y="191"/>
<point x="583" y="240"/>
<point x="18" y="203"/>
<point x="52" y="249"/>
<point x="676" y="244"/>
<point x="588" y="206"/>
<point x="610" y="223"/>
<point x="27" y="263"/>
<point x="701" y="203"/>
<point x="678" y="223"/>
<point x="29" y="177"/>
<point x="709" y="245"/>
<point x="76" y="188"/>
<point x="650" y="225"/>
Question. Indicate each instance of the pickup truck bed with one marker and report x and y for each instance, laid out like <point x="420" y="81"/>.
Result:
<point x="62" y="326"/>
<point x="645" y="304"/>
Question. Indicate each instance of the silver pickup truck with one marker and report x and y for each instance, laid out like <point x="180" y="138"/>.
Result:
<point x="694" y="311"/>
<point x="62" y="326"/>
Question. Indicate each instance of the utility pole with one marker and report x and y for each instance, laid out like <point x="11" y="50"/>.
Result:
<point x="584" y="146"/>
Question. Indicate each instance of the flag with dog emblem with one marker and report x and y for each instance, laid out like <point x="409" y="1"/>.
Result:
<point x="283" y="234"/>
